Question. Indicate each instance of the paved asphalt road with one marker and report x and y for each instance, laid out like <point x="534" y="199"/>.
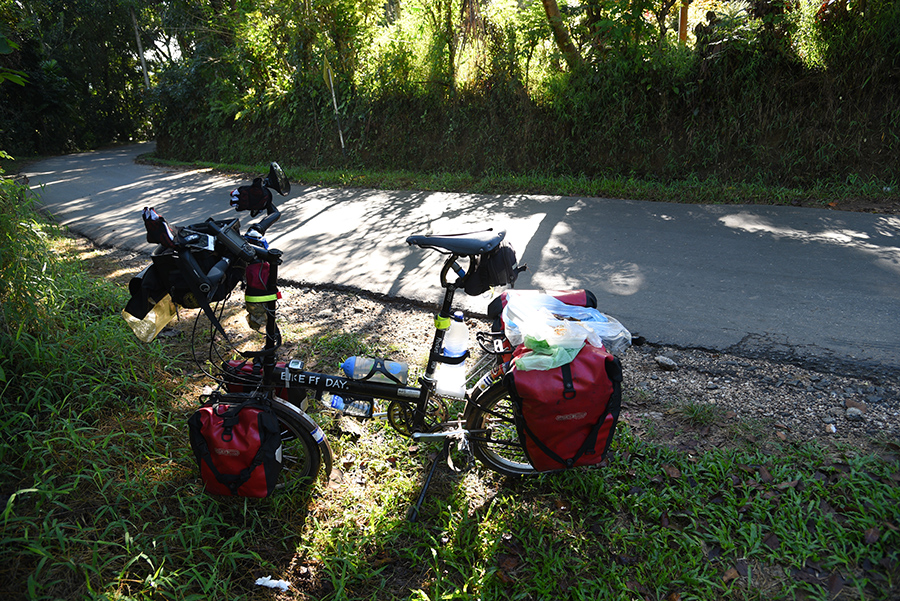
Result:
<point x="813" y="285"/>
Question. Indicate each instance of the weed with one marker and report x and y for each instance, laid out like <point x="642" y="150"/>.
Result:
<point x="701" y="414"/>
<point x="101" y="500"/>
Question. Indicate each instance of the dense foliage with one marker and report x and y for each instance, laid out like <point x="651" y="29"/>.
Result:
<point x="774" y="90"/>
<point x="82" y="85"/>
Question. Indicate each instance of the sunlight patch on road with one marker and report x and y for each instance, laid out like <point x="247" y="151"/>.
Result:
<point x="562" y="251"/>
<point x="886" y="257"/>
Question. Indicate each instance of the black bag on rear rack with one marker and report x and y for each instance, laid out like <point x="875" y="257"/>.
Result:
<point x="498" y="267"/>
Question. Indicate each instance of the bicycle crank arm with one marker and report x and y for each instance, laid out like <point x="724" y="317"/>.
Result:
<point x="458" y="433"/>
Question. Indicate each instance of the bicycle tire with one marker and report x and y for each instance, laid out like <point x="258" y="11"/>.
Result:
<point x="493" y="437"/>
<point x="301" y="456"/>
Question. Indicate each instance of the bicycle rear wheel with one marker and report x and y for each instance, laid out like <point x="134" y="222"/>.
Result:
<point x="492" y="433"/>
<point x="301" y="456"/>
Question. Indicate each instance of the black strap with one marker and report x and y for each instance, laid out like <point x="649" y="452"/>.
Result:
<point x="234" y="481"/>
<point x="588" y="447"/>
<point x="568" y="382"/>
<point x="202" y="299"/>
<point x="378" y="367"/>
<point x="441" y="358"/>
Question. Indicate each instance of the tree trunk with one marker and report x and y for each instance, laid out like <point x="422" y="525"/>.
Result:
<point x="561" y="35"/>
<point x="451" y="44"/>
<point x="137" y="36"/>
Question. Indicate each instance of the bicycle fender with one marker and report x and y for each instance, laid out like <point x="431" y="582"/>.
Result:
<point x="317" y="433"/>
<point x="325" y="448"/>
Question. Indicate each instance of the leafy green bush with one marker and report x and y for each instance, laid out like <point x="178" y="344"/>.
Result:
<point x="26" y="288"/>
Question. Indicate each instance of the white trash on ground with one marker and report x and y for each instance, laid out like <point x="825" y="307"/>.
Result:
<point x="269" y="582"/>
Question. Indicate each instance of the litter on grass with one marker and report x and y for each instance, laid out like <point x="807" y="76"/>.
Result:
<point x="267" y="581"/>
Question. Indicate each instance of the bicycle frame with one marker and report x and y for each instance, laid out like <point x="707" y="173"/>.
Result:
<point x="293" y="374"/>
<point x="414" y="408"/>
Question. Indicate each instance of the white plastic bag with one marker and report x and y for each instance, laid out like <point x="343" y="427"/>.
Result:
<point x="544" y="317"/>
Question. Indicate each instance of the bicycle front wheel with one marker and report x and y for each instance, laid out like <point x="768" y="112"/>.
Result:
<point x="301" y="456"/>
<point x="492" y="433"/>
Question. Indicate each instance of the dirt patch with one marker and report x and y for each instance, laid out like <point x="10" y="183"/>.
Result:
<point x="690" y="400"/>
<point x="885" y="206"/>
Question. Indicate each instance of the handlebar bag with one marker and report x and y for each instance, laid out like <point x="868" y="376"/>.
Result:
<point x="173" y="276"/>
<point x="496" y="268"/>
<point x="236" y="441"/>
<point x="566" y="416"/>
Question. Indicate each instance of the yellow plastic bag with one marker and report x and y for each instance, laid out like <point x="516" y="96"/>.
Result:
<point x="156" y="319"/>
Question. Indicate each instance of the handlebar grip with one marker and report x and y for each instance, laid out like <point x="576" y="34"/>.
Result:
<point x="267" y="222"/>
<point x="217" y="273"/>
<point x="194" y="268"/>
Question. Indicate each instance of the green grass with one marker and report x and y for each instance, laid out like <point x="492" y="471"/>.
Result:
<point x="101" y="498"/>
<point x="693" y="190"/>
<point x="701" y="414"/>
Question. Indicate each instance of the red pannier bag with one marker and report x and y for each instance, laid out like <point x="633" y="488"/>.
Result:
<point x="566" y="416"/>
<point x="246" y="376"/>
<point x="236" y="440"/>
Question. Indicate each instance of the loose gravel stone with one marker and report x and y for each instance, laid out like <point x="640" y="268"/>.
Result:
<point x="666" y="363"/>
<point x="754" y="389"/>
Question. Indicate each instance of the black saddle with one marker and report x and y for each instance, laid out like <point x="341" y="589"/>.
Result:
<point x="476" y="243"/>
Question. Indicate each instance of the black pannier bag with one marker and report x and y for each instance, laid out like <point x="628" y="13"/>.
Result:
<point x="150" y="307"/>
<point x="236" y="440"/>
<point x="498" y="267"/>
<point x="163" y="284"/>
<point x="171" y="270"/>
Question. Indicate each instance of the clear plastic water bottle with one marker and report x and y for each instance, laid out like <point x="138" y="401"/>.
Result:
<point x="451" y="379"/>
<point x="358" y="368"/>
<point x="349" y="406"/>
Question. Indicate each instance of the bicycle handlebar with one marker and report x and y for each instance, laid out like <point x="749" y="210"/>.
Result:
<point x="273" y="215"/>
<point x="232" y="240"/>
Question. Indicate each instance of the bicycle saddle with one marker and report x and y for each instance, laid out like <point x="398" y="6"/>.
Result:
<point x="476" y="243"/>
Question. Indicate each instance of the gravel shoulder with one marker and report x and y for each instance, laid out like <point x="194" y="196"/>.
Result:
<point x="688" y="399"/>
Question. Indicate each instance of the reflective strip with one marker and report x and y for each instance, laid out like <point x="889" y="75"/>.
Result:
<point x="441" y="323"/>
<point x="261" y="299"/>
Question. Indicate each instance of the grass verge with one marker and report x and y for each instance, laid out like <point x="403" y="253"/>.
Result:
<point x="100" y="497"/>
<point x="852" y="194"/>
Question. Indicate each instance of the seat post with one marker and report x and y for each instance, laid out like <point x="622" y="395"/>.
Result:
<point x="427" y="380"/>
<point x="442" y="318"/>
